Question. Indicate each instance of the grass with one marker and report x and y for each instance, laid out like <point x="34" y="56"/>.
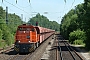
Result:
<point x="2" y="44"/>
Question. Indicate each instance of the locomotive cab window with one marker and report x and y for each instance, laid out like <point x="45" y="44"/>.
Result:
<point x="26" y="29"/>
<point x="21" y="29"/>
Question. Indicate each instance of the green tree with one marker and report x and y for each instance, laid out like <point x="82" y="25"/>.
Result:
<point x="78" y="18"/>
<point x="77" y="35"/>
<point x="68" y="23"/>
<point x="44" y="22"/>
<point x="7" y="31"/>
<point x="2" y="13"/>
<point x="0" y="34"/>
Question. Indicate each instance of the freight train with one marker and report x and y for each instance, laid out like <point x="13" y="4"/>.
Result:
<point x="29" y="37"/>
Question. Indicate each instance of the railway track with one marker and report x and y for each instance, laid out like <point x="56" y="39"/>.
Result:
<point x="73" y="53"/>
<point x="20" y="57"/>
<point x="66" y="51"/>
<point x="4" y="50"/>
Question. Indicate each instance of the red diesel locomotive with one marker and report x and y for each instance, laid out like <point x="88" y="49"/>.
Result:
<point x="28" y="37"/>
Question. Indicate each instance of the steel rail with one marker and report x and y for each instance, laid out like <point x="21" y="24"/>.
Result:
<point x="56" y="49"/>
<point x="69" y="50"/>
<point x="60" y="51"/>
<point x="75" y="52"/>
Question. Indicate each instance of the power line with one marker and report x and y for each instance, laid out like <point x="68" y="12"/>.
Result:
<point x="72" y="3"/>
<point x="24" y="6"/>
<point x="9" y="7"/>
<point x="7" y="16"/>
<point x="31" y="8"/>
<point x="71" y="6"/>
<point x="64" y="7"/>
<point x="16" y="7"/>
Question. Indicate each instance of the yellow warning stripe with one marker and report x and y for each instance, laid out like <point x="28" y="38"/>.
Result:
<point x="31" y="49"/>
<point x="16" y="49"/>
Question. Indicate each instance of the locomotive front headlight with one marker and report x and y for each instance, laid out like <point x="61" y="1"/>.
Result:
<point x="29" y="41"/>
<point x="19" y="41"/>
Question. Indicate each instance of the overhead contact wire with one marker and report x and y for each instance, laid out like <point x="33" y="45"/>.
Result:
<point x="72" y="3"/>
<point x="16" y="7"/>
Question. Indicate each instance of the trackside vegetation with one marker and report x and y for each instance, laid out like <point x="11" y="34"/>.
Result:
<point x="75" y="25"/>
<point x="77" y="37"/>
<point x="7" y="31"/>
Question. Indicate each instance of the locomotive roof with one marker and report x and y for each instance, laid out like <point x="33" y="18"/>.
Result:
<point x="25" y="25"/>
<point x="38" y="28"/>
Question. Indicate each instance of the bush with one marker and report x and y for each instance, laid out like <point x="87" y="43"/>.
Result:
<point x="0" y="34"/>
<point x="2" y="44"/>
<point x="78" y="42"/>
<point x="77" y="35"/>
<point x="8" y="37"/>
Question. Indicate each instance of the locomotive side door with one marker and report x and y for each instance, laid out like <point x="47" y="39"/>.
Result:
<point x="33" y="36"/>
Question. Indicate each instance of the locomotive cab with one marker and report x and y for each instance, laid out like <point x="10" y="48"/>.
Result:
<point x="26" y="37"/>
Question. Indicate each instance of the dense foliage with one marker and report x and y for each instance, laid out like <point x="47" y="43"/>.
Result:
<point x="77" y="37"/>
<point x="44" y="22"/>
<point x="7" y="31"/>
<point x="78" y="18"/>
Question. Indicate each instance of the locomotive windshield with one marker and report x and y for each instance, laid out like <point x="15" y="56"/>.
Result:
<point x="25" y="29"/>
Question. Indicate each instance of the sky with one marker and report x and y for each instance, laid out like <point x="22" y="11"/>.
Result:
<point x="54" y="10"/>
